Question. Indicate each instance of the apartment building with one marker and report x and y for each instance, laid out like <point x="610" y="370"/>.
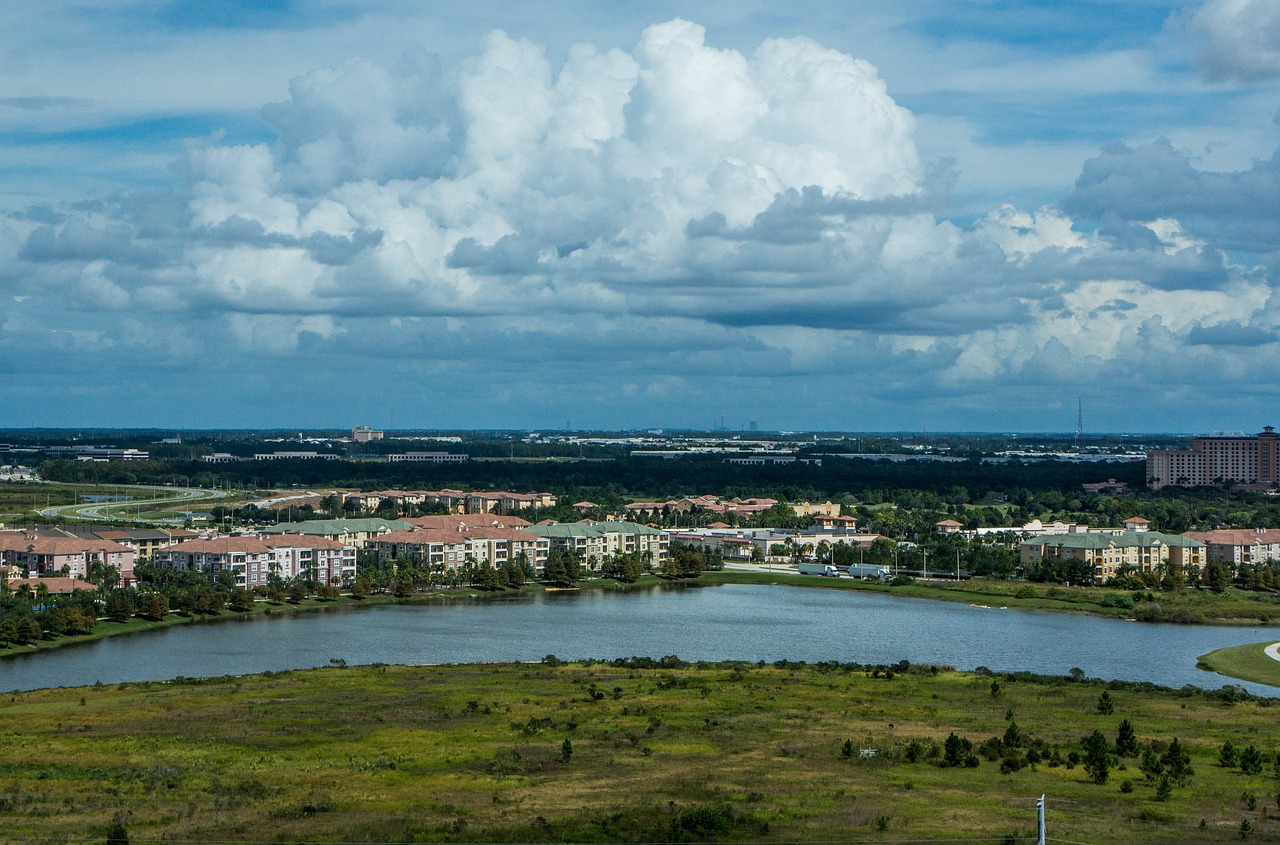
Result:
<point x="1111" y="553"/>
<point x="252" y="560"/>
<point x="69" y="556"/>
<point x="596" y="541"/>
<point x="1220" y="460"/>
<point x="353" y="532"/>
<point x="453" y="548"/>
<point x="1236" y="546"/>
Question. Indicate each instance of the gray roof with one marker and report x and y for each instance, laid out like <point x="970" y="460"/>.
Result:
<point x="339" y="526"/>
<point x="589" y="529"/>
<point x="1124" y="539"/>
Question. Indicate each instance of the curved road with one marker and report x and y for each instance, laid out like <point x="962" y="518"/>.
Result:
<point x="118" y="511"/>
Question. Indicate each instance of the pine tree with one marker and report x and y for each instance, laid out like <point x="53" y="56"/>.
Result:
<point x="1178" y="762"/>
<point x="1228" y="755"/>
<point x="1097" y="757"/>
<point x="1251" y="761"/>
<point x="1126" y="740"/>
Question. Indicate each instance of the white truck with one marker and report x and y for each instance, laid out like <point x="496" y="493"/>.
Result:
<point x="867" y="571"/>
<point x="819" y="569"/>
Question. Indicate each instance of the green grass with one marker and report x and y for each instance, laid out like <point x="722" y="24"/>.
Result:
<point x="1247" y="662"/>
<point x="1234" y="606"/>
<point x="474" y="753"/>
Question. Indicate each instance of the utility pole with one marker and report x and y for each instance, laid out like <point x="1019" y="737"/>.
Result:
<point x="1040" y="821"/>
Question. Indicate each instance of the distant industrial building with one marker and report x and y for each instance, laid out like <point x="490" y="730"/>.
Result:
<point x="426" y="458"/>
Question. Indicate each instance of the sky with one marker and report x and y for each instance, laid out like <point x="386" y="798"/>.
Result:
<point x="872" y="216"/>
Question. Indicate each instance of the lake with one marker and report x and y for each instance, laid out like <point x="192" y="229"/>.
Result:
<point x="728" y="622"/>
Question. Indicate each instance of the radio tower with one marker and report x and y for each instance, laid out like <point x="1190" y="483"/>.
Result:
<point x="1079" y="420"/>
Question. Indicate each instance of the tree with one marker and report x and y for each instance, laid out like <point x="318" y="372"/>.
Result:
<point x="1097" y="757"/>
<point x="241" y="601"/>
<point x="513" y="574"/>
<point x="119" y="605"/>
<point x="117" y="834"/>
<point x="566" y="750"/>
<point x="1151" y="764"/>
<point x="1228" y="755"/>
<point x="957" y="752"/>
<point x="361" y="587"/>
<point x="1105" y="706"/>
<point x="1178" y="762"/>
<point x="1217" y="576"/>
<point x="155" y="606"/>
<point x="1012" y="735"/>
<point x="488" y="579"/>
<point x="1126" y="740"/>
<point x="1251" y="760"/>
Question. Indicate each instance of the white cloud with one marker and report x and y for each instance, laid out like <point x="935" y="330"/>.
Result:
<point x="693" y="221"/>
<point x="1242" y="39"/>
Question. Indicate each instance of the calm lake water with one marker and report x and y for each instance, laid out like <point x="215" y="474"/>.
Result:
<point x="702" y="623"/>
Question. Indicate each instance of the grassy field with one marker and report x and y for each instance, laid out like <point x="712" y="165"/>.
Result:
<point x="22" y="498"/>
<point x="581" y="752"/>
<point x="1247" y="662"/>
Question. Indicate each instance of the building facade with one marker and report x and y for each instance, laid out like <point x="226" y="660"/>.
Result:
<point x="597" y="541"/>
<point x="1112" y="554"/>
<point x="1218" y="460"/>
<point x="252" y="561"/>
<point x="1236" y="546"/>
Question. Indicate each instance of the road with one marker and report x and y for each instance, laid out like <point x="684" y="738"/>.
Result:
<point x="142" y="497"/>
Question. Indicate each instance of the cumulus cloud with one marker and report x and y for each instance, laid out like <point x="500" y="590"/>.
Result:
<point x="1238" y="210"/>
<point x="1242" y="39"/>
<point x="644" y="216"/>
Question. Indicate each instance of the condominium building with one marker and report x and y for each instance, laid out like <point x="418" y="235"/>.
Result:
<point x="253" y="560"/>
<point x="596" y="541"/>
<point x="351" y="532"/>
<point x="453" y="548"/>
<point x="1112" y="553"/>
<point x="1237" y="546"/>
<point x="69" y="556"/>
<point x="1221" y="460"/>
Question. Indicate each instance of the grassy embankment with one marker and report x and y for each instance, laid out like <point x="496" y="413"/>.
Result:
<point x="724" y="751"/>
<point x="1247" y="662"/>
<point x="1232" y="607"/>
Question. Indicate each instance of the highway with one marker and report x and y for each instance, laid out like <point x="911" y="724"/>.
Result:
<point x="142" y="498"/>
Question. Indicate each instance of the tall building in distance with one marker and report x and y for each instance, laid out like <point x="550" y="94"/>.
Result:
<point x="363" y="434"/>
<point x="1222" y="460"/>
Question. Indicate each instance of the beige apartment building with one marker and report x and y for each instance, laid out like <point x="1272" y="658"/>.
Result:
<point x="1218" y="460"/>
<point x="1113" y="553"/>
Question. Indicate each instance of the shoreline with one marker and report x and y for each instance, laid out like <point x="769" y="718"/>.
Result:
<point x="986" y="593"/>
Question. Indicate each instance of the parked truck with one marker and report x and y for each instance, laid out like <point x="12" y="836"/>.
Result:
<point x="819" y="569"/>
<point x="867" y="571"/>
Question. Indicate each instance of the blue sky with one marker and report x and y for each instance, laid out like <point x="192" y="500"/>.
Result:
<point x="813" y="215"/>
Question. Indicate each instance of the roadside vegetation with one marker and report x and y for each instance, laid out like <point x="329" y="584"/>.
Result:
<point x="637" y="750"/>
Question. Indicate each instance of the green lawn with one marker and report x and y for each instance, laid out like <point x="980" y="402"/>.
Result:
<point x="1247" y="662"/>
<point x="725" y="752"/>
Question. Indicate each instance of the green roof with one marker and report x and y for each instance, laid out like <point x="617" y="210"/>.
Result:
<point x="589" y="529"/>
<point x="339" y="526"/>
<point x="1124" y="539"/>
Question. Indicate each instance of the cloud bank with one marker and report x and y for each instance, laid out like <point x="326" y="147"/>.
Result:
<point x="646" y="237"/>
